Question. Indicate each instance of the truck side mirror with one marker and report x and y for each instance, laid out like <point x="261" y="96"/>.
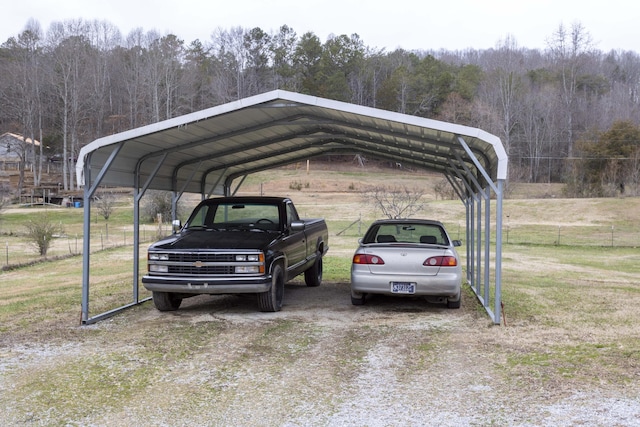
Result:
<point x="297" y="226"/>
<point x="176" y="225"/>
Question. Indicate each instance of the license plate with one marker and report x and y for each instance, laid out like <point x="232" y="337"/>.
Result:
<point x="403" y="288"/>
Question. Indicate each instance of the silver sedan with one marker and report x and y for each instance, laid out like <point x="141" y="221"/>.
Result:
<point x="407" y="257"/>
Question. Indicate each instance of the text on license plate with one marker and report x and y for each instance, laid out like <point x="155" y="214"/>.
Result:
<point x="403" y="288"/>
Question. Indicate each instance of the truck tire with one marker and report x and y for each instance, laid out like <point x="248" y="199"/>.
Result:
<point x="271" y="300"/>
<point x="166" y="301"/>
<point x="313" y="274"/>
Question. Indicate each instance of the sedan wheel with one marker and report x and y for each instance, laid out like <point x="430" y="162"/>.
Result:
<point x="454" y="303"/>
<point x="357" y="298"/>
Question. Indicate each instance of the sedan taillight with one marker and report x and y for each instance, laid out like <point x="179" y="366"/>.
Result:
<point x="441" y="261"/>
<point x="367" y="259"/>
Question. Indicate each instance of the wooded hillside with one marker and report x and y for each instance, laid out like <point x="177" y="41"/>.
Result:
<point x="568" y="113"/>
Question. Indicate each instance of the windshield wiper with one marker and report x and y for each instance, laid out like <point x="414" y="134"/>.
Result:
<point x="201" y="227"/>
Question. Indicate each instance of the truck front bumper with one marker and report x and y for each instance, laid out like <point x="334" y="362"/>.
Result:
<point x="244" y="285"/>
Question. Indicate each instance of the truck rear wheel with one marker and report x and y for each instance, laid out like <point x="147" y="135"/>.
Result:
<point x="166" y="301"/>
<point x="313" y="274"/>
<point x="271" y="300"/>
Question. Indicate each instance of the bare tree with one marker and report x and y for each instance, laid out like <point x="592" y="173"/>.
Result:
<point x="105" y="204"/>
<point x="395" y="202"/>
<point x="83" y="82"/>
<point x="132" y="69"/>
<point x="570" y="51"/>
<point x="536" y="120"/>
<point x="71" y="49"/>
<point x="105" y="38"/>
<point x="23" y="103"/>
<point x="502" y="88"/>
<point x="229" y="49"/>
<point x="165" y="56"/>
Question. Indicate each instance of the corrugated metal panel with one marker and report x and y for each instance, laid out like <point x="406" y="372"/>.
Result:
<point x="206" y="147"/>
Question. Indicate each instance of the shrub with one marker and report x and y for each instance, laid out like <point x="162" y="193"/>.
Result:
<point x="297" y="185"/>
<point x="444" y="190"/>
<point x="154" y="203"/>
<point x="41" y="231"/>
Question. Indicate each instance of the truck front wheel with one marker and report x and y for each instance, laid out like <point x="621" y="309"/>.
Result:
<point x="271" y="300"/>
<point x="166" y="301"/>
<point x="313" y="274"/>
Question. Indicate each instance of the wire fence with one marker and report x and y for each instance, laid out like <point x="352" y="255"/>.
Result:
<point x="565" y="235"/>
<point x="537" y="234"/>
<point x="19" y="251"/>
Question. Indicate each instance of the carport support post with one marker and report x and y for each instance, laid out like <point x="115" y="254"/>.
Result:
<point x="471" y="238"/>
<point x="86" y="244"/>
<point x="478" y="243"/>
<point x="498" y="306"/>
<point x="136" y="244"/>
<point x="487" y="241"/>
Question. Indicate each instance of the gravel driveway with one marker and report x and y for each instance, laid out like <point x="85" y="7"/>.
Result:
<point x="318" y="362"/>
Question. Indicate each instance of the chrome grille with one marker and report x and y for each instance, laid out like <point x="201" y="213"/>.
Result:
<point x="200" y="271"/>
<point x="201" y="256"/>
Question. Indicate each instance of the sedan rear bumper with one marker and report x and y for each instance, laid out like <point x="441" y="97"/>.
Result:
<point x="441" y="285"/>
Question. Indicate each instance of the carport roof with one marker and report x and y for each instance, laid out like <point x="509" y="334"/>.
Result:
<point x="204" y="151"/>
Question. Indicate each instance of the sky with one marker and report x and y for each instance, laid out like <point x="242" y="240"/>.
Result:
<point x="389" y="24"/>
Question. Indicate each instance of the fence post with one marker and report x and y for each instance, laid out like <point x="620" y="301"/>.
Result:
<point x="559" y="234"/>
<point x="159" y="220"/>
<point x="612" y="227"/>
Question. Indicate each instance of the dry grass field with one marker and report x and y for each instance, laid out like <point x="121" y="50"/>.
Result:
<point x="568" y="355"/>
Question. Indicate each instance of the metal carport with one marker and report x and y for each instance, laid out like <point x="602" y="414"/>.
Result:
<point x="209" y="151"/>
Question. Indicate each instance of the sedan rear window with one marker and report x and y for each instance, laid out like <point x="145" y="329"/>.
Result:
<point x="407" y="233"/>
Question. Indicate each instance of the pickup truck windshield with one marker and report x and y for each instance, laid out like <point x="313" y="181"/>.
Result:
<point x="245" y="215"/>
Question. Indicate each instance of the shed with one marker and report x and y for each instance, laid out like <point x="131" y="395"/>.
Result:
<point x="15" y="148"/>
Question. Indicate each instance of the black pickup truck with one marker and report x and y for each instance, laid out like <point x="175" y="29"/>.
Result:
<point x="234" y="245"/>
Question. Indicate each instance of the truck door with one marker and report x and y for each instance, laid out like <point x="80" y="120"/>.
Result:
<point x="296" y="242"/>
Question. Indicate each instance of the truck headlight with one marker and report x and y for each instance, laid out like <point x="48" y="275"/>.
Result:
<point x="153" y="256"/>
<point x="247" y="269"/>
<point x="248" y="257"/>
<point x="155" y="268"/>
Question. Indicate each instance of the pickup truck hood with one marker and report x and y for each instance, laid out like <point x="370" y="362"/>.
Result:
<point x="202" y="239"/>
